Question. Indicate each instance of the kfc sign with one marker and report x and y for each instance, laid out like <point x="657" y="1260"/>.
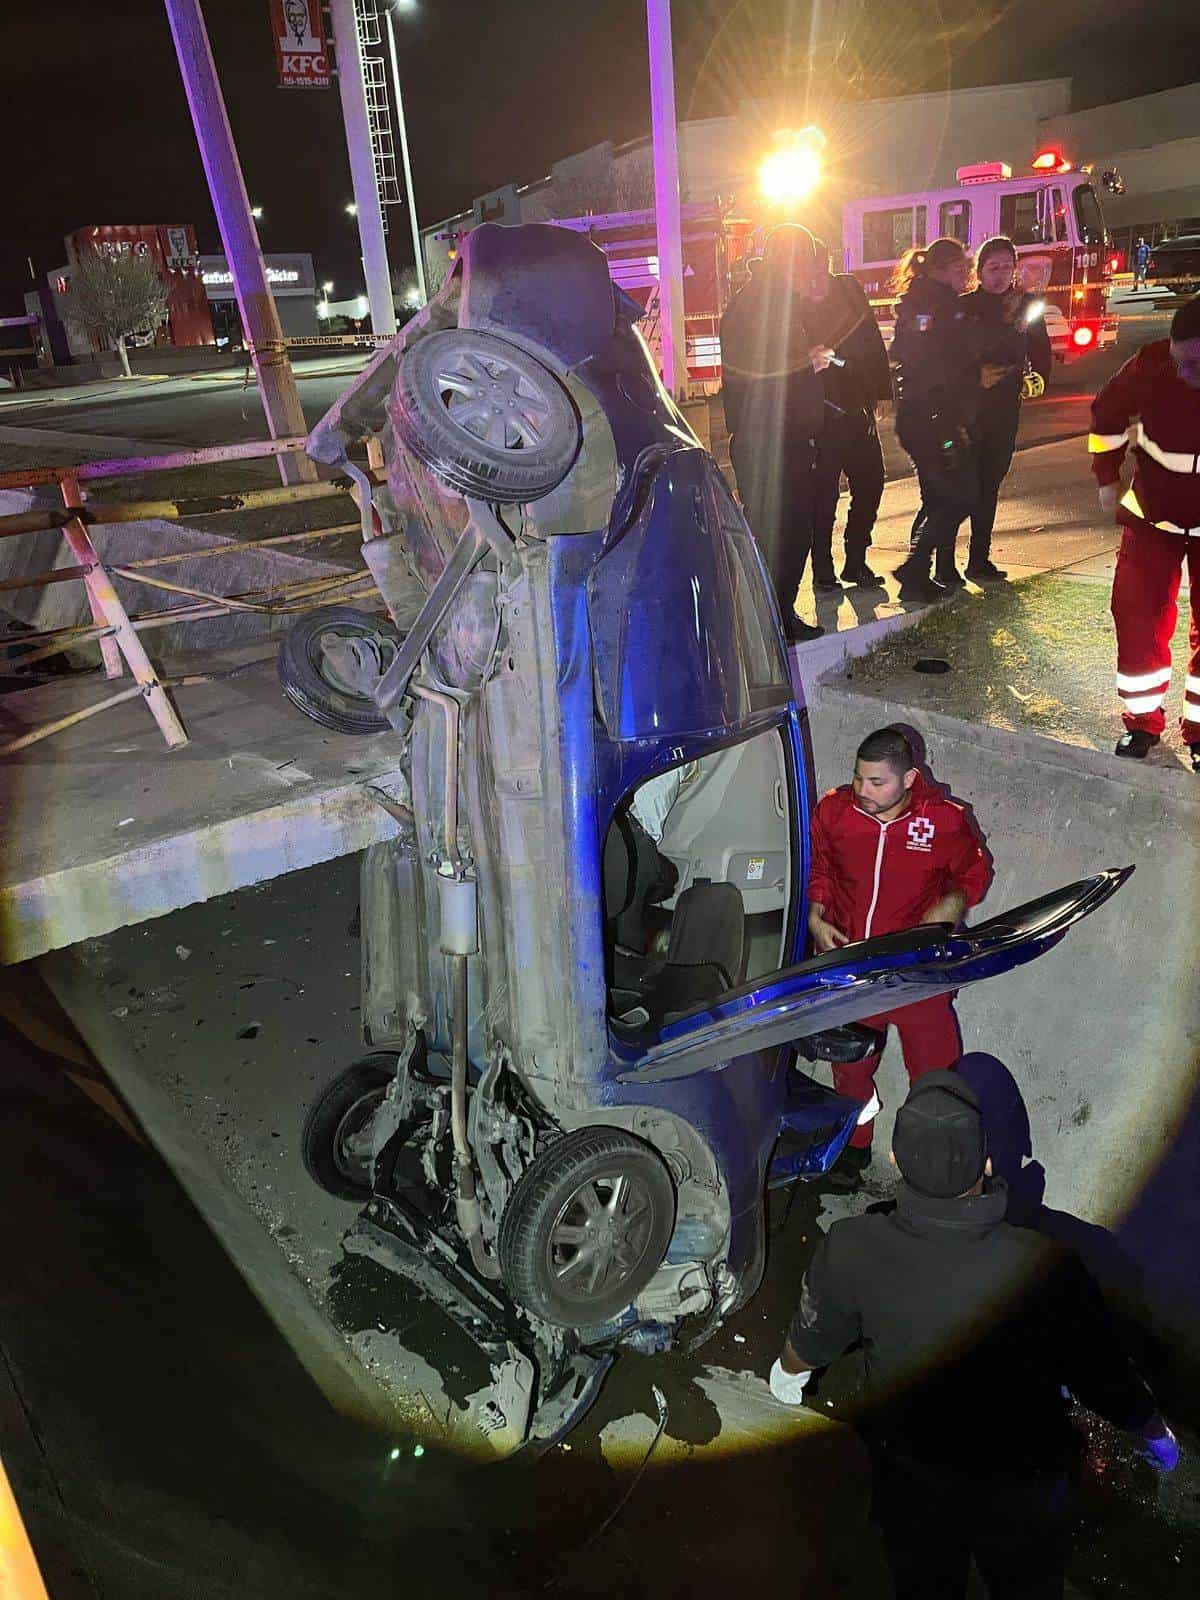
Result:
<point x="300" y="50"/>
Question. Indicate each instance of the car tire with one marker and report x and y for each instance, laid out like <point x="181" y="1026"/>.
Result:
<point x="309" y="679"/>
<point x="484" y="416"/>
<point x="600" y="1182"/>
<point x="341" y="1111"/>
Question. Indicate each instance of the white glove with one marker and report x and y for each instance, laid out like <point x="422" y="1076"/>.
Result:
<point x="1110" y="493"/>
<point x="788" y="1386"/>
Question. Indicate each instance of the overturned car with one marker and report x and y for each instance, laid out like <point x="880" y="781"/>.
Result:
<point x="585" y="980"/>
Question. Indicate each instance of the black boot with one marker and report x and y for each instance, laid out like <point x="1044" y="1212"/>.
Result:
<point x="985" y="572"/>
<point x="859" y="575"/>
<point x="1136" y="744"/>
<point x="846" y="1174"/>
<point x="919" y="586"/>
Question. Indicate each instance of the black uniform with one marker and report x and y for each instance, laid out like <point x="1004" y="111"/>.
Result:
<point x="1000" y="407"/>
<point x="971" y="1329"/>
<point x="849" y="441"/>
<point x="774" y="409"/>
<point x="939" y="348"/>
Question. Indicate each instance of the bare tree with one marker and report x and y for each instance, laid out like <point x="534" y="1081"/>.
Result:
<point x="115" y="296"/>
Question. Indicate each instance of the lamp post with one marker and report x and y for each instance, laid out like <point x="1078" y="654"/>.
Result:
<point x="406" y="5"/>
<point x="352" y="87"/>
<point x="666" y="196"/>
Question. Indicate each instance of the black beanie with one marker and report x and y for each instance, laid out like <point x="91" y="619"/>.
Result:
<point x="938" y="1140"/>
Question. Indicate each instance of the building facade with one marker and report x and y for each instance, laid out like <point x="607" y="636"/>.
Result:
<point x="292" y="280"/>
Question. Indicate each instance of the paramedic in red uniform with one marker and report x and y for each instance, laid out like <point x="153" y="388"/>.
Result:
<point x="888" y="852"/>
<point x="1157" y="394"/>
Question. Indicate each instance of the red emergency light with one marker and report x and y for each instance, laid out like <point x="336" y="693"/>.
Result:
<point x="984" y="172"/>
<point x="1083" y="336"/>
<point x="1050" y="161"/>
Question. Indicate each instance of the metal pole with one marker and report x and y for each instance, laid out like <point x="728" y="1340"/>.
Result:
<point x="418" y="253"/>
<point x="353" y="90"/>
<point x="260" y="317"/>
<point x="666" y="196"/>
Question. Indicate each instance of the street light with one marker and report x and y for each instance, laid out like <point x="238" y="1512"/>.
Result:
<point x="793" y="169"/>
<point x="351" y="209"/>
<point x="256" y="212"/>
<point x="327" y="288"/>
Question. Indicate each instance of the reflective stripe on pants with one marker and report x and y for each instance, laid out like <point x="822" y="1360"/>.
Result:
<point x="1145" y="610"/>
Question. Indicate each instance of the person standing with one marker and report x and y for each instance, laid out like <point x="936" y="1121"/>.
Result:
<point x="1141" y="260"/>
<point x="975" y="1334"/>
<point x="941" y="352"/>
<point x="1016" y="319"/>
<point x="855" y="382"/>
<point x="1160" y="515"/>
<point x="774" y="410"/>
<point x="888" y="852"/>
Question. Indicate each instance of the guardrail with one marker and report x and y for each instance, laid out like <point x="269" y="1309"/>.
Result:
<point x="117" y="633"/>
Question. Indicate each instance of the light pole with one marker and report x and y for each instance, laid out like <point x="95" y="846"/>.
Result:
<point x="260" y="316"/>
<point x="407" y="5"/>
<point x="666" y="196"/>
<point x="353" y="90"/>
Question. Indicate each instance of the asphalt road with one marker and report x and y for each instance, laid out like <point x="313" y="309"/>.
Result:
<point x="214" y="408"/>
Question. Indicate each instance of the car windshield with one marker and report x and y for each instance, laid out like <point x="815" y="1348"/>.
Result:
<point x="1088" y="217"/>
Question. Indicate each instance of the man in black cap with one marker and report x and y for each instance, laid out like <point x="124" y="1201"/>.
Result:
<point x="975" y="1333"/>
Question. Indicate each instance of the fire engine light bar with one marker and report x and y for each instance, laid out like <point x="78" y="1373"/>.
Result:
<point x="984" y="172"/>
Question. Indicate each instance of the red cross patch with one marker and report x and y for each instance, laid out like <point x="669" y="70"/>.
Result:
<point x="920" y="834"/>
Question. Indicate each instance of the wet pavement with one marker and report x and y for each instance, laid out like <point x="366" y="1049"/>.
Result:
<point x="170" y="1444"/>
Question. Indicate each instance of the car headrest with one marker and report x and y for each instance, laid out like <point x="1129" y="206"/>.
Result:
<point x="545" y="284"/>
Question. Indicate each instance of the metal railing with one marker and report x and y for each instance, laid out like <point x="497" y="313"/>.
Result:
<point x="112" y="627"/>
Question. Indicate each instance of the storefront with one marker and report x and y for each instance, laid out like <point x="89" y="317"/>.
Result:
<point x="292" y="281"/>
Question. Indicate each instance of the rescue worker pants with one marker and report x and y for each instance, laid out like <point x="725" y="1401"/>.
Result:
<point x="1145" y="609"/>
<point x="928" y="1032"/>
<point x="777" y="483"/>
<point x="997" y="441"/>
<point x="849" y="445"/>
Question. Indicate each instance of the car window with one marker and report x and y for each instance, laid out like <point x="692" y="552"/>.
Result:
<point x="954" y="220"/>
<point x="1088" y="216"/>
<point x="1020" y="217"/>
<point x="697" y="882"/>
<point x="888" y="234"/>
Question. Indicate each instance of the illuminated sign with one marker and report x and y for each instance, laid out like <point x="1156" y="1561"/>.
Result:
<point x="301" y="53"/>
<point x="215" y="277"/>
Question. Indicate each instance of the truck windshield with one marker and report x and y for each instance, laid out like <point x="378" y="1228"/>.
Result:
<point x="1088" y="217"/>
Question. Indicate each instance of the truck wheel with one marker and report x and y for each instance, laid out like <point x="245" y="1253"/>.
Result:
<point x="310" y="677"/>
<point x="587" y="1227"/>
<point x="335" y="1145"/>
<point x="485" y="417"/>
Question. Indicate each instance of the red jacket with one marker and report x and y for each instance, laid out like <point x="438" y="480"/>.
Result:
<point x="1148" y="404"/>
<point x="877" y="877"/>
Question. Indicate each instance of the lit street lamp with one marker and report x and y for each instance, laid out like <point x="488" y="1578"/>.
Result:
<point x="256" y="212"/>
<point x="793" y="169"/>
<point x="351" y="210"/>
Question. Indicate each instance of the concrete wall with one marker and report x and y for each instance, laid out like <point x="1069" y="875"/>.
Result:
<point x="1102" y="1034"/>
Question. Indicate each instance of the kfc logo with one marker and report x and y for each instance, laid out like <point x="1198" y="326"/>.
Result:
<point x="920" y="834"/>
<point x="300" y="49"/>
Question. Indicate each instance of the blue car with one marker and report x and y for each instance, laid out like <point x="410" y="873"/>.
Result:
<point x="588" y="1002"/>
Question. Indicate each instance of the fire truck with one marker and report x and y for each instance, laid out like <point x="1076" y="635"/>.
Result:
<point x="1052" y="215"/>
<point x="715" y="246"/>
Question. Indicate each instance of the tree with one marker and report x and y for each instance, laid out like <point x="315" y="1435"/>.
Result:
<point x="115" y="296"/>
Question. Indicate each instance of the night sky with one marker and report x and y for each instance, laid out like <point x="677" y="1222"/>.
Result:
<point x="96" y="128"/>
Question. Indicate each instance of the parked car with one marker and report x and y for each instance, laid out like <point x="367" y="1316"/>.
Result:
<point x="585" y="974"/>
<point x="1177" y="262"/>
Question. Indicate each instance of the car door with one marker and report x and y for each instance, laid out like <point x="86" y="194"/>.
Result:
<point x="860" y="980"/>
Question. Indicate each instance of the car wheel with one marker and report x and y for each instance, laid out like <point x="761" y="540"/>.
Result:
<point x="484" y="416"/>
<point x="335" y="1145"/>
<point x="310" y="675"/>
<point x="587" y="1227"/>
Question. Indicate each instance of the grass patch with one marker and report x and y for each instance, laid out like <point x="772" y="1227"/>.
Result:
<point x="1038" y="655"/>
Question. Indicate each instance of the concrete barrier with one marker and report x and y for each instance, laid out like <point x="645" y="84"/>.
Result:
<point x="1102" y="1035"/>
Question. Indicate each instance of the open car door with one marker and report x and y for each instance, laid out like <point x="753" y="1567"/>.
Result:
<point x="860" y="980"/>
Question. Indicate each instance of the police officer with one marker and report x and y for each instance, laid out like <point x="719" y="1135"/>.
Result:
<point x="774" y="408"/>
<point x="944" y="355"/>
<point x="974" y="1334"/>
<point x="1016" y="320"/>
<point x="856" y="381"/>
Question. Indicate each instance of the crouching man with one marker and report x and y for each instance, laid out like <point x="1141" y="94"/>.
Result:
<point x="974" y="1333"/>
